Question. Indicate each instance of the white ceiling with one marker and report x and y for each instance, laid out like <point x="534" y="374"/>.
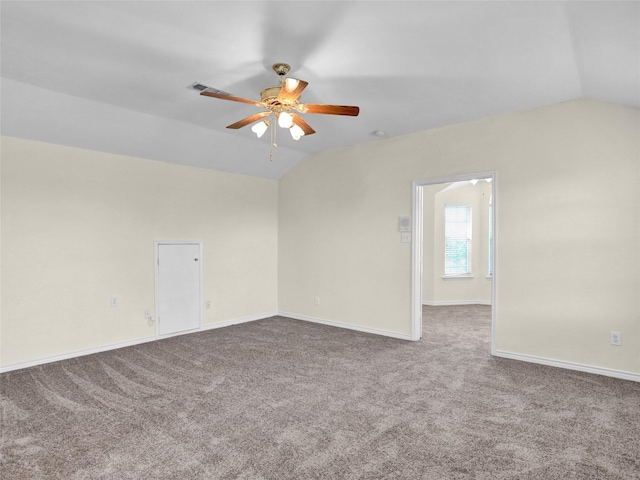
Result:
<point x="111" y="76"/>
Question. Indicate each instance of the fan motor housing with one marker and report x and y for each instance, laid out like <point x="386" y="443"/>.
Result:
<point x="270" y="93"/>
<point x="269" y="97"/>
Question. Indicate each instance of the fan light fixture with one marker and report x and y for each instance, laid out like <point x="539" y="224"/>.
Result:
<point x="285" y="120"/>
<point x="296" y="132"/>
<point x="260" y="128"/>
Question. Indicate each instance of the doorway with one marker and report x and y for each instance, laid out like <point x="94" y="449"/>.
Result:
<point x="420" y="188"/>
<point x="178" y="286"/>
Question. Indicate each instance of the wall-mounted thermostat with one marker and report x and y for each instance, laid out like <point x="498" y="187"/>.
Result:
<point x="404" y="224"/>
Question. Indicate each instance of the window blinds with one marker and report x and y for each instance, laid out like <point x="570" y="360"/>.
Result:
<point x="457" y="240"/>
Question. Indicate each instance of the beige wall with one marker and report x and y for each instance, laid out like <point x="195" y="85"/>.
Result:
<point x="568" y="255"/>
<point x="429" y="279"/>
<point x="79" y="226"/>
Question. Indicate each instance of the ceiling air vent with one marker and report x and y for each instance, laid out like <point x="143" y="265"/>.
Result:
<point x="199" y="87"/>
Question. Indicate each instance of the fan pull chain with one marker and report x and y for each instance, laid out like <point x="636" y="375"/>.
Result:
<point x="273" y="142"/>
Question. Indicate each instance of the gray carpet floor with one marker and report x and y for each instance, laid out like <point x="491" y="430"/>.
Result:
<point x="284" y="399"/>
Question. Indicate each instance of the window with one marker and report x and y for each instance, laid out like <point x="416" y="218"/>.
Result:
<point x="457" y="240"/>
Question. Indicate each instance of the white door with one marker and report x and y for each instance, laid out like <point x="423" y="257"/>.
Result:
<point x="178" y="287"/>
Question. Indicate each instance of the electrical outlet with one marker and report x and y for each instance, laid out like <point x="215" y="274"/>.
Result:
<point x="317" y="300"/>
<point x="147" y="315"/>
<point x="616" y="338"/>
<point x="114" y="301"/>
<point x="207" y="304"/>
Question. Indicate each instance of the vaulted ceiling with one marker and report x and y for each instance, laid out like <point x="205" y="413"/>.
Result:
<point x="112" y="76"/>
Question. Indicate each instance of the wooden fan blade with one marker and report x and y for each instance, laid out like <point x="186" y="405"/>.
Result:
<point x="329" y="109"/>
<point x="248" y="120"/>
<point x="291" y="89"/>
<point x="306" y="128"/>
<point x="230" y="97"/>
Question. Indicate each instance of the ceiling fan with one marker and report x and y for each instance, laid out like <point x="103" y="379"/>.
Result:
<point x="282" y="103"/>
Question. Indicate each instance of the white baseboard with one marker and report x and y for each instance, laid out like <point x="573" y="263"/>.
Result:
<point x="81" y="353"/>
<point x="608" y="372"/>
<point x="375" y="331"/>
<point x="115" y="346"/>
<point x="635" y="377"/>
<point x="447" y="303"/>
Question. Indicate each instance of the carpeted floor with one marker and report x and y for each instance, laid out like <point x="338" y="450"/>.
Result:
<point x="284" y="399"/>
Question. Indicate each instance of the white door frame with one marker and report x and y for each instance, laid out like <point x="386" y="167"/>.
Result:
<point x="156" y="251"/>
<point x="416" y="253"/>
